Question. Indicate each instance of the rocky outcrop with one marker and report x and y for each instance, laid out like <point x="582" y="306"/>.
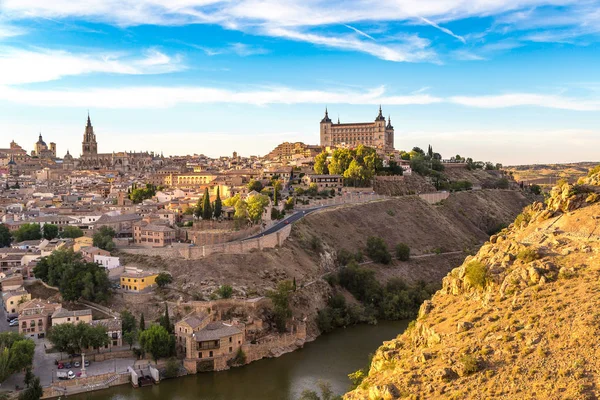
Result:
<point x="517" y="320"/>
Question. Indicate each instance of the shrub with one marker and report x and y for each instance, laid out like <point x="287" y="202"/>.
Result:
<point x="344" y="257"/>
<point x="225" y="291"/>
<point x="358" y="257"/>
<point x="315" y="244"/>
<point x="377" y="250"/>
<point x="163" y="279"/>
<point x="522" y="218"/>
<point x="172" y="368"/>
<point x="477" y="274"/>
<point x="528" y="255"/>
<point x="402" y="252"/>
<point x="470" y="365"/>
<point x="240" y="358"/>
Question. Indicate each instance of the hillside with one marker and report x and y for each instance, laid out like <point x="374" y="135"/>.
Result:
<point x="518" y="320"/>
<point x="460" y="223"/>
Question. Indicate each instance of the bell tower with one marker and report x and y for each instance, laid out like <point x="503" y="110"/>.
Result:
<point x="89" y="145"/>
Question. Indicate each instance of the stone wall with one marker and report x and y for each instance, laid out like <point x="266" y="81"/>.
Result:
<point x="80" y="385"/>
<point x="211" y="237"/>
<point x="276" y="345"/>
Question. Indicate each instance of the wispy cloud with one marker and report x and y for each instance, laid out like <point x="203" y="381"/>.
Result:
<point x="407" y="51"/>
<point x="18" y="66"/>
<point x="360" y="32"/>
<point x="163" y="97"/>
<point x="445" y="30"/>
<point x="528" y="99"/>
<point x="314" y="21"/>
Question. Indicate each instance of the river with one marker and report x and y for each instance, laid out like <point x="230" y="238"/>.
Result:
<point x="331" y="357"/>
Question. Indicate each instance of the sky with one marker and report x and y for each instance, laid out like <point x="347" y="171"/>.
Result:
<point x="509" y="81"/>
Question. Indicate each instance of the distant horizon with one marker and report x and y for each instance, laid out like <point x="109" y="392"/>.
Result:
<point x="514" y="82"/>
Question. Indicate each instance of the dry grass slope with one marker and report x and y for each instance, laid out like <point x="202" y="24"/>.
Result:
<point x="527" y="329"/>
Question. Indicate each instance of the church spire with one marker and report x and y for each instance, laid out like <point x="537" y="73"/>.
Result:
<point x="89" y="122"/>
<point x="326" y="118"/>
<point x="380" y="117"/>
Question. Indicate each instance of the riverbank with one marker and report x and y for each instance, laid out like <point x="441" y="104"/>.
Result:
<point x="331" y="357"/>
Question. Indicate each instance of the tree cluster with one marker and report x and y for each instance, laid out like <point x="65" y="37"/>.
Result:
<point x="128" y="327"/>
<point x="5" y="236"/>
<point x="357" y="166"/>
<point x="157" y="342"/>
<point x="103" y="239"/>
<point x="74" y="277"/>
<point x="205" y="209"/>
<point x="137" y="195"/>
<point x="16" y="353"/>
<point x="393" y="301"/>
<point x="27" y="232"/>
<point x="280" y="298"/>
<point x="73" y="338"/>
<point x="377" y="250"/>
<point x="251" y="209"/>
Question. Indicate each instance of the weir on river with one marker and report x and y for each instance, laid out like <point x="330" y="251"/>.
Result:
<point x="330" y="358"/>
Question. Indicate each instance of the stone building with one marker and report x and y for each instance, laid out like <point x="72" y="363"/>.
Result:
<point x="138" y="281"/>
<point x="34" y="317"/>
<point x="62" y="316"/>
<point x="42" y="150"/>
<point x="324" y="182"/>
<point x="121" y="161"/>
<point x="286" y="151"/>
<point x="113" y="330"/>
<point x="153" y="235"/>
<point x="375" y="134"/>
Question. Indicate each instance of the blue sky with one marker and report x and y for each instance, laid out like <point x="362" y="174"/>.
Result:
<point x="512" y="81"/>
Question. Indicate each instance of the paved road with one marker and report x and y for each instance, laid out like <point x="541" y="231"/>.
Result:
<point x="289" y="220"/>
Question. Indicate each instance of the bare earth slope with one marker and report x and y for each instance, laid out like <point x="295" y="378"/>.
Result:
<point x="519" y="320"/>
<point x="458" y="224"/>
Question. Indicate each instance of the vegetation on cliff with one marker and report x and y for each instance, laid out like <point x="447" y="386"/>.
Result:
<point x="517" y="320"/>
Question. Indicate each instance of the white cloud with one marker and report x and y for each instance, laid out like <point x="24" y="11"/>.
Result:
<point x="528" y="99"/>
<point x="163" y="97"/>
<point x="407" y="51"/>
<point x="297" y="19"/>
<point x="445" y="30"/>
<point x="18" y="66"/>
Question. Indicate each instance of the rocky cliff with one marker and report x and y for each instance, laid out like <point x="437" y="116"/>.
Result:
<point x="518" y="320"/>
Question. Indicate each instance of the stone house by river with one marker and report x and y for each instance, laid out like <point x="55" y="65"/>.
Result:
<point x="208" y="344"/>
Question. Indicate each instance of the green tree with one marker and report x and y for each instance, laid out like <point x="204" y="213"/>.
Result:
<point x="163" y="279"/>
<point x="277" y="186"/>
<point x="97" y="337"/>
<point x="27" y="232"/>
<point x="377" y="250"/>
<point x="256" y="206"/>
<point x="72" y="232"/>
<point x="206" y="207"/>
<point x="33" y="391"/>
<point x="5" y="237"/>
<point x="129" y="338"/>
<point x="321" y="164"/>
<point x="280" y="299"/>
<point x="157" y="342"/>
<point x="225" y="291"/>
<point x="128" y="322"/>
<point x="74" y="277"/>
<point x="49" y="231"/>
<point x="172" y="368"/>
<point x="198" y="208"/>
<point x="402" y="252"/>
<point x="103" y="238"/>
<point x="142" y="323"/>
<point x="255" y="185"/>
<point x="165" y="320"/>
<point x="218" y="205"/>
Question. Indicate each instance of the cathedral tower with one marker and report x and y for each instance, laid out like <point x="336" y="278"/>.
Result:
<point x="89" y="145"/>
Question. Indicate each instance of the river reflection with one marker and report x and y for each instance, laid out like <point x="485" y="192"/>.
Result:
<point x="331" y="357"/>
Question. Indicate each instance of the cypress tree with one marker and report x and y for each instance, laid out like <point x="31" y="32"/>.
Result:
<point x="142" y="323"/>
<point x="206" y="208"/>
<point x="198" y="209"/>
<point x="218" y="205"/>
<point x="166" y="321"/>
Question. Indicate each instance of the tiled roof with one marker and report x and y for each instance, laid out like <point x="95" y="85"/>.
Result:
<point x="215" y="331"/>
<point x="62" y="313"/>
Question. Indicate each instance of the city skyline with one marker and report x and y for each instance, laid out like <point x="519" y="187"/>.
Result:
<point x="510" y="82"/>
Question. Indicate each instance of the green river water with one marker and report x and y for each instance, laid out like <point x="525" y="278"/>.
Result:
<point x="331" y="357"/>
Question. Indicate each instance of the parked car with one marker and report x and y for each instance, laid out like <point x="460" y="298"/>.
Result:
<point x="86" y="363"/>
<point x="68" y="365"/>
<point x="76" y="364"/>
<point x="14" y="322"/>
<point x="60" y="366"/>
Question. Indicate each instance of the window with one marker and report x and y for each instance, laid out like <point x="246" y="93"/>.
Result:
<point x="68" y="319"/>
<point x="230" y="339"/>
<point x="231" y="349"/>
<point x="210" y="354"/>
